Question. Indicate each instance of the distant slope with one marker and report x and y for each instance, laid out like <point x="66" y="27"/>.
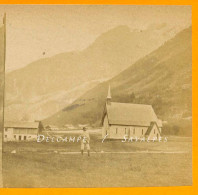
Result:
<point x="162" y="79"/>
<point x="43" y="87"/>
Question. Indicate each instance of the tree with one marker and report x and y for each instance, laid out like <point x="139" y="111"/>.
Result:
<point x="132" y="97"/>
<point x="175" y="129"/>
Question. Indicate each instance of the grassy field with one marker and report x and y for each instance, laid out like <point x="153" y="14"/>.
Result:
<point x="52" y="164"/>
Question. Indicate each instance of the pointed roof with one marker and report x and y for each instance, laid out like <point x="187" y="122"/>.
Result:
<point x="131" y="114"/>
<point x="151" y="127"/>
<point x="109" y="93"/>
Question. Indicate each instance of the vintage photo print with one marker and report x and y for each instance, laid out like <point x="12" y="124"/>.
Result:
<point x="96" y="96"/>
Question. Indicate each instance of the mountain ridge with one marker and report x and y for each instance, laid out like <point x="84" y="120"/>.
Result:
<point x="109" y="54"/>
<point x="161" y="78"/>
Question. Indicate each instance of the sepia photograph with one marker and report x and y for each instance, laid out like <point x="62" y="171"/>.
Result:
<point x="95" y="96"/>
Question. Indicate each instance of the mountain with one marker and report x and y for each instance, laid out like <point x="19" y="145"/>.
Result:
<point x="47" y="85"/>
<point x="162" y="79"/>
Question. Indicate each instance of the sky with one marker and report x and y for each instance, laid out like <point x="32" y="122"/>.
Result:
<point x="38" y="31"/>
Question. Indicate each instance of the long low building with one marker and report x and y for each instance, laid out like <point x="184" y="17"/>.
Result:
<point x="21" y="131"/>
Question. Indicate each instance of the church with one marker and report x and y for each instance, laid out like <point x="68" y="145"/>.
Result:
<point x="129" y="120"/>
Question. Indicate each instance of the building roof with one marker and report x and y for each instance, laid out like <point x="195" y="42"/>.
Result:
<point x="50" y="126"/>
<point x="20" y="124"/>
<point x="150" y="128"/>
<point x="131" y="114"/>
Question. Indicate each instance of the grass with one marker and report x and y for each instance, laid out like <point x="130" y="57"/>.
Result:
<point x="43" y="165"/>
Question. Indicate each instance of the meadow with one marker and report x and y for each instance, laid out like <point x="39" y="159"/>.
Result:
<point x="111" y="164"/>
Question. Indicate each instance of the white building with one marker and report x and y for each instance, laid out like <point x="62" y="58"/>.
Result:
<point x="70" y="127"/>
<point x="51" y="128"/>
<point x="20" y="131"/>
<point x="129" y="120"/>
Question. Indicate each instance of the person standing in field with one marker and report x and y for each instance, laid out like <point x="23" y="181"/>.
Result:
<point x="85" y="139"/>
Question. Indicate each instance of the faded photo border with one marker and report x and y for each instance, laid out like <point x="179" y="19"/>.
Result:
<point x="136" y="190"/>
<point x="2" y="78"/>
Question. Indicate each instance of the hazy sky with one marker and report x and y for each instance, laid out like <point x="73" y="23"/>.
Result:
<point x="53" y="29"/>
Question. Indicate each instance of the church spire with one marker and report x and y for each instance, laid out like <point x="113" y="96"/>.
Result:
<point x="109" y="96"/>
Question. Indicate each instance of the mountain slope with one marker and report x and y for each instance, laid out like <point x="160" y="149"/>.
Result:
<point x="111" y="53"/>
<point x="162" y="79"/>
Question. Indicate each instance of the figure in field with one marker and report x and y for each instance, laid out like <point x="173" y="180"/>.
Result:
<point x="85" y="139"/>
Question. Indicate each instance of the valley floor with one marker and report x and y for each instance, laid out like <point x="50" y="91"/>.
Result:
<point x="135" y="164"/>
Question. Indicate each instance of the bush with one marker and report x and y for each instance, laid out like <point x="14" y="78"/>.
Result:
<point x="179" y="127"/>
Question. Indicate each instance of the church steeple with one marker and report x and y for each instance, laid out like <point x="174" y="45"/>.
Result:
<point x="109" y="96"/>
